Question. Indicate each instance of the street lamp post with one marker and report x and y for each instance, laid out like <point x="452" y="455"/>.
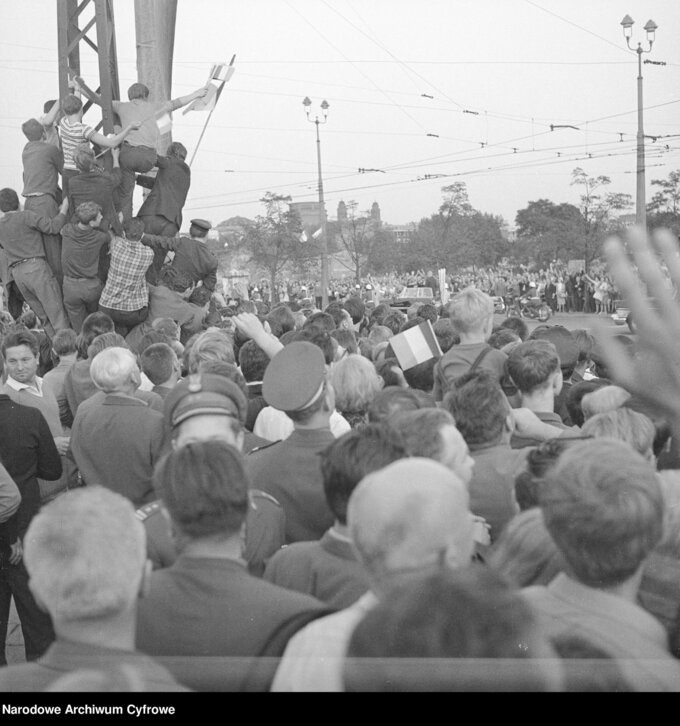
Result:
<point x="650" y="28"/>
<point x="322" y="209"/>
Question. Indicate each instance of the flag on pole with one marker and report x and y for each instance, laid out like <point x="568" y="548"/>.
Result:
<point x="416" y="345"/>
<point x="164" y="123"/>
<point x="219" y="74"/>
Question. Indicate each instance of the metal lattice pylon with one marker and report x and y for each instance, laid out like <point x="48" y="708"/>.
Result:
<point x="71" y="39"/>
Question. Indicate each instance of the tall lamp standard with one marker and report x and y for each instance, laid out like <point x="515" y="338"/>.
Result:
<point x="322" y="210"/>
<point x="650" y="28"/>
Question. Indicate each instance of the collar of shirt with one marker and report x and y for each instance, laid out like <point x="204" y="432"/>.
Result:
<point x="36" y="389"/>
<point x="615" y="608"/>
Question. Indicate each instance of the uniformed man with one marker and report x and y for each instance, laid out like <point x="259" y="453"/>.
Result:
<point x="290" y="470"/>
<point x="209" y="407"/>
<point x="192" y="257"/>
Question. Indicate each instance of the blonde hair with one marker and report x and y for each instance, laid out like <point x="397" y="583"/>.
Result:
<point x="114" y="368"/>
<point x="470" y="310"/>
<point x="623" y="424"/>
<point x="85" y="553"/>
<point x="607" y="398"/>
<point x="355" y="382"/>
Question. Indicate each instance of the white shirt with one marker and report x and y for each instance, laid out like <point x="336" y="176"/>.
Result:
<point x="315" y="656"/>
<point x="36" y="390"/>
<point x="274" y="425"/>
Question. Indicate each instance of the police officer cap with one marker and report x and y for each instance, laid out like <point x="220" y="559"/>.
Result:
<point x="202" y="223"/>
<point x="204" y="394"/>
<point x="294" y="377"/>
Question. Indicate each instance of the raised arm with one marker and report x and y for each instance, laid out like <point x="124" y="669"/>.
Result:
<point x="184" y="100"/>
<point x="116" y="140"/>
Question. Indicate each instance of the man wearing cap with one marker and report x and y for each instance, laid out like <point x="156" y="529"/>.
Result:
<point x="290" y="470"/>
<point x="208" y="407"/>
<point x="192" y="257"/>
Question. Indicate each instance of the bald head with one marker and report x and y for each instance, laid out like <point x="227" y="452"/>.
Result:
<point x="411" y="514"/>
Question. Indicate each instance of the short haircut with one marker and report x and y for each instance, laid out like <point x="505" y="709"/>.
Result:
<point x="134" y="229"/>
<point x="85" y="554"/>
<point x="431" y="631"/>
<point x="253" y="361"/>
<point x="167" y="326"/>
<point x="158" y="362"/>
<point x="94" y="324"/>
<point x="585" y="342"/>
<point x="356" y="308"/>
<point x="281" y="320"/>
<point x="151" y="338"/>
<point x="138" y="90"/>
<point x="446" y="335"/>
<point x="502" y="337"/>
<point x="87" y="212"/>
<point x="355" y="383"/>
<point x="65" y="342"/>
<point x="320" y="338"/>
<point x="33" y="130"/>
<point x="602" y="400"/>
<point x="524" y="553"/>
<point x="20" y="337"/>
<point x="623" y="424"/>
<point x="532" y="364"/>
<point x="177" y="150"/>
<point x="379" y="334"/>
<point x="603" y="506"/>
<point x="379" y="313"/>
<point x="565" y="345"/>
<point x="393" y="321"/>
<point x="470" y="310"/>
<point x="113" y="368"/>
<point x="205" y="489"/>
<point x="324" y="321"/>
<point x="428" y="312"/>
<point x="421" y="376"/>
<point x="104" y="341"/>
<point x="337" y="312"/>
<point x="420" y="431"/>
<point x="211" y="345"/>
<point x="347" y="339"/>
<point x="479" y="408"/>
<point x="9" y="201"/>
<point x="350" y="458"/>
<point x="518" y="325"/>
<point x="392" y="400"/>
<point x="70" y="105"/>
<point x="84" y="158"/>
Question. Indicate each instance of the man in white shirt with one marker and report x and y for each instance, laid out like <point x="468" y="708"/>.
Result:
<point x="403" y="520"/>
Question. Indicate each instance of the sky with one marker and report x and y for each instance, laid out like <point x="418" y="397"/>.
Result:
<point x="499" y="72"/>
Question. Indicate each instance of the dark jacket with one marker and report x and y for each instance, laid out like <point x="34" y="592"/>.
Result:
<point x="169" y="191"/>
<point x="192" y="257"/>
<point x="99" y="187"/>
<point x="227" y="627"/>
<point x="80" y="250"/>
<point x="21" y="234"/>
<point x="43" y="163"/>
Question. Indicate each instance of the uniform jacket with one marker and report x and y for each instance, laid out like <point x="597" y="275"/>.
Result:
<point x="169" y="191"/>
<point x="192" y="257"/>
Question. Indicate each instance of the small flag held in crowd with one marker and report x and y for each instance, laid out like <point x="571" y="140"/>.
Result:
<point x="220" y="73"/>
<point x="416" y="345"/>
<point x="164" y="123"/>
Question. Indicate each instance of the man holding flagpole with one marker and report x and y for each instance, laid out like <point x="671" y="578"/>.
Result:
<point x="139" y="153"/>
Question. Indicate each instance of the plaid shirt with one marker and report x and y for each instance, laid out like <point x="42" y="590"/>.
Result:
<point x="126" y="287"/>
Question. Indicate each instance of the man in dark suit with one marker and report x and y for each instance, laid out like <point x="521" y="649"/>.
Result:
<point x="161" y="211"/>
<point x="215" y="626"/>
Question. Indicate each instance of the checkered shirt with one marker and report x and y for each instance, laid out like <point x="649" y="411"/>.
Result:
<point x="126" y="287"/>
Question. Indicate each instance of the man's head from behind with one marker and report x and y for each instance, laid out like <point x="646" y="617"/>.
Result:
<point x="211" y="345"/>
<point x="33" y="130"/>
<point x="471" y="313"/>
<point x="432" y="433"/>
<point x="85" y="553"/>
<point x="534" y="367"/>
<point x="480" y="409"/>
<point x="204" y="487"/>
<point x="138" y="90"/>
<point x="410" y="516"/>
<point x="115" y="370"/>
<point x="603" y="507"/>
<point x="350" y="458"/>
<point x="65" y="343"/>
<point x="160" y="364"/>
<point x="9" y="200"/>
<point x="632" y="427"/>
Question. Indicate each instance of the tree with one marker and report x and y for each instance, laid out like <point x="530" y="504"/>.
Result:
<point x="273" y="239"/>
<point x="356" y="235"/>
<point x="547" y="232"/>
<point x="596" y="209"/>
<point x="668" y="199"/>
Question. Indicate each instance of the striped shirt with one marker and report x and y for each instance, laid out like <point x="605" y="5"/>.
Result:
<point x="126" y="288"/>
<point x="73" y="134"/>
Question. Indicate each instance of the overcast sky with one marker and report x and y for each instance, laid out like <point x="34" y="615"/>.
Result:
<point x="507" y="61"/>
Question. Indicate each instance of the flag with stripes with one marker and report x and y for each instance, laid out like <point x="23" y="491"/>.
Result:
<point x="416" y="345"/>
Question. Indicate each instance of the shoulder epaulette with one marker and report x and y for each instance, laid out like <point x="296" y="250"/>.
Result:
<point x="263" y="447"/>
<point x="143" y="513"/>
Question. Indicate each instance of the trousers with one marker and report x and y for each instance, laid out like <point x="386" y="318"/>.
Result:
<point x="132" y="159"/>
<point x="38" y="285"/>
<point x="81" y="297"/>
<point x="125" y="320"/>
<point x="46" y="206"/>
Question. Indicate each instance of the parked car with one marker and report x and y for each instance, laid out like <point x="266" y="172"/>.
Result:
<point x="410" y="295"/>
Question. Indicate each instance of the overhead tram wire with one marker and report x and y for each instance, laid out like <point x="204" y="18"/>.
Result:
<point x="337" y="50"/>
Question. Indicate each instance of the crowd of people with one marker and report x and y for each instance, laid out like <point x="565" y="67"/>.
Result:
<point x="271" y="497"/>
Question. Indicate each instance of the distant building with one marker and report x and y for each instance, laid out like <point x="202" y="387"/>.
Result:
<point x="375" y="212"/>
<point x="342" y="212"/>
<point x="308" y="213"/>
<point x="626" y="220"/>
<point x="402" y="233"/>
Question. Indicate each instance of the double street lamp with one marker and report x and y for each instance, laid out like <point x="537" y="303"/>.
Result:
<point x="322" y="210"/>
<point x="650" y="28"/>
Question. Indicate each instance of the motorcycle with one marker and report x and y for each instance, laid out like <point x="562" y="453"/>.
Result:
<point x="530" y="307"/>
<point x="498" y="305"/>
